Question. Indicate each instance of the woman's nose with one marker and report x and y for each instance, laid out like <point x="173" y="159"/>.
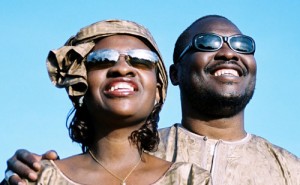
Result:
<point x="122" y="68"/>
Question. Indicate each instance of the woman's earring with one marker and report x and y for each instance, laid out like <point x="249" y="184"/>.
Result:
<point x="80" y="101"/>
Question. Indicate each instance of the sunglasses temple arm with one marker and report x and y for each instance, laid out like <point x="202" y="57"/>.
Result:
<point x="184" y="51"/>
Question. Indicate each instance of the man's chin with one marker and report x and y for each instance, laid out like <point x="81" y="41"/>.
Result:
<point x="220" y="107"/>
<point x="227" y="112"/>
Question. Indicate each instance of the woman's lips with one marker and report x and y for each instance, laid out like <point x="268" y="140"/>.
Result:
<point x="121" y="88"/>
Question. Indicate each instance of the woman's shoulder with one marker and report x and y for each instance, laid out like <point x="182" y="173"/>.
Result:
<point x="186" y="174"/>
<point x="50" y="174"/>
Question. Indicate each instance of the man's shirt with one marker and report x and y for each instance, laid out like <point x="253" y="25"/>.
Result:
<point x="252" y="160"/>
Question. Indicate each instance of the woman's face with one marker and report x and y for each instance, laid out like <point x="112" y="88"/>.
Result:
<point x="119" y="92"/>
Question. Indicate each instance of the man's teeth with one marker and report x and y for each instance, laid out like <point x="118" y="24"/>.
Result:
<point x="121" y="86"/>
<point x="229" y="72"/>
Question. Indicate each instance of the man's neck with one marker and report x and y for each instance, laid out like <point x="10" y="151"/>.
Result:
<point x="227" y="129"/>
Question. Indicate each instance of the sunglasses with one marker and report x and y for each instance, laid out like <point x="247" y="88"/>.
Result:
<point x="135" y="57"/>
<point x="213" y="42"/>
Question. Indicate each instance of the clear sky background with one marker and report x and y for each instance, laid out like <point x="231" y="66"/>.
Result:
<point x="33" y="111"/>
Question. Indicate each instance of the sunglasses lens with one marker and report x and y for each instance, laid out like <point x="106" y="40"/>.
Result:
<point x="242" y="44"/>
<point x="103" y="56"/>
<point x="136" y="57"/>
<point x="141" y="57"/>
<point x="208" y="42"/>
<point x="143" y="54"/>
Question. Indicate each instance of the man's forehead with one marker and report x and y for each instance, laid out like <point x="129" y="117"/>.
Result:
<point x="216" y="25"/>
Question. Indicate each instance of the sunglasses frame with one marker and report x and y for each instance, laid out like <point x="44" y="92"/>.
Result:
<point x="150" y="56"/>
<point x="223" y="39"/>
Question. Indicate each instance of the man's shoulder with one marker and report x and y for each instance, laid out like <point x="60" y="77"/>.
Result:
<point x="289" y="163"/>
<point x="169" y="133"/>
<point x="174" y="126"/>
<point x="167" y="138"/>
<point x="167" y="130"/>
<point x="275" y="149"/>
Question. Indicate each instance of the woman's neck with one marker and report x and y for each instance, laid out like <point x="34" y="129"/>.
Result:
<point x="116" y="148"/>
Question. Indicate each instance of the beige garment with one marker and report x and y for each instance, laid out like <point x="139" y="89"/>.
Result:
<point x="178" y="174"/>
<point x="250" y="161"/>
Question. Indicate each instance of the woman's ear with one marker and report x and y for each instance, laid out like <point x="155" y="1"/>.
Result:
<point x="173" y="74"/>
<point x="158" y="93"/>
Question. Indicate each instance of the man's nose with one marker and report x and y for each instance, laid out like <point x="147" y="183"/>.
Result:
<point x="227" y="53"/>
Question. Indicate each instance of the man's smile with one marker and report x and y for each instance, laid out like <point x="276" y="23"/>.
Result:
<point x="227" y="69"/>
<point x="226" y="72"/>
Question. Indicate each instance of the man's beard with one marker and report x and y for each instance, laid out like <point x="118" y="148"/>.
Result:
<point x="215" y="105"/>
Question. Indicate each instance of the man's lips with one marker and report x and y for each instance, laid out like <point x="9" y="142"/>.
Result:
<point x="226" y="72"/>
<point x="227" y="69"/>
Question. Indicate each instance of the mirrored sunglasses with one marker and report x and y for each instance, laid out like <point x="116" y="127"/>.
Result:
<point x="133" y="57"/>
<point x="212" y="42"/>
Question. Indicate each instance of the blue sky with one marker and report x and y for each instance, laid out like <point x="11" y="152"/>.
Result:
<point x="33" y="112"/>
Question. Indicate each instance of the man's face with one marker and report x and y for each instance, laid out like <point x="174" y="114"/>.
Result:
<point x="218" y="83"/>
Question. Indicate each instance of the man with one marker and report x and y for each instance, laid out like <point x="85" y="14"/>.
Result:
<point x="215" y="69"/>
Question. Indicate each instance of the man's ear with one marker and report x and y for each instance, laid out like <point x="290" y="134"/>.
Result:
<point x="173" y="74"/>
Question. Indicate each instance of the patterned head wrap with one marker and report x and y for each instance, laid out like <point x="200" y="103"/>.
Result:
<point x="66" y="65"/>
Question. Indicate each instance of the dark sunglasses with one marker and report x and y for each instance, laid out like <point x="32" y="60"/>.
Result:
<point x="135" y="57"/>
<point x="213" y="42"/>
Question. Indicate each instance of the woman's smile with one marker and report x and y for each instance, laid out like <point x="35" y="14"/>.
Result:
<point x="121" y="87"/>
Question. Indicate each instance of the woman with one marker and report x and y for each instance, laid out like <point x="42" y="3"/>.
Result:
<point x="115" y="77"/>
